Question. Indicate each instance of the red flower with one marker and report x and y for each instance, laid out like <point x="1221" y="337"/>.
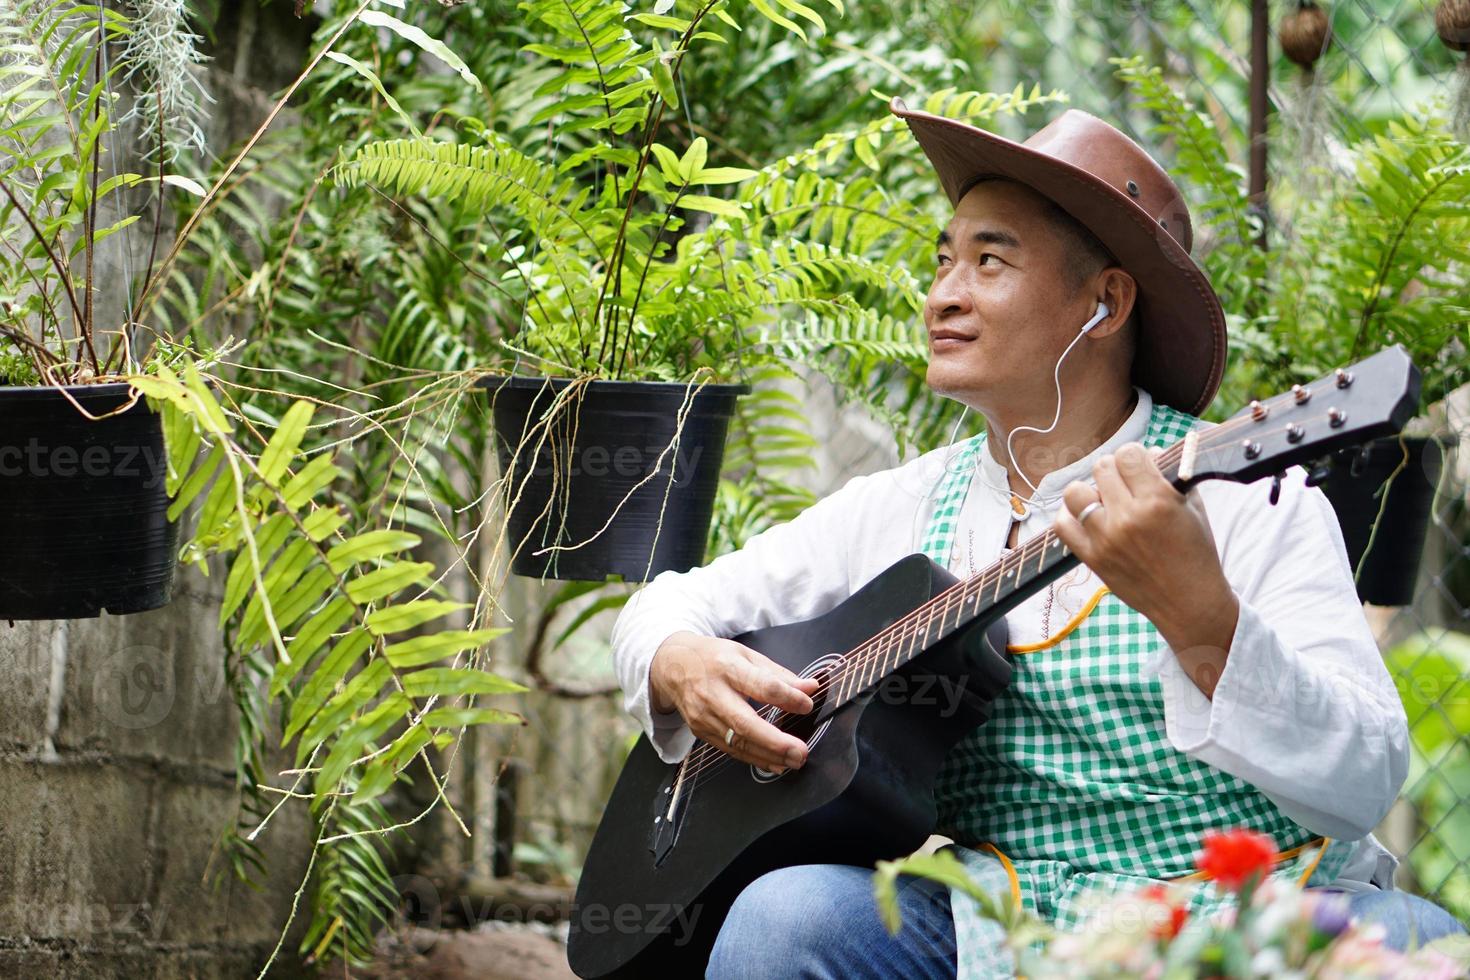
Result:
<point x="1178" y="914"/>
<point x="1237" y="857"/>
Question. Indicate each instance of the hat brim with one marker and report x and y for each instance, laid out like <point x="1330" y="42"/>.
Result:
<point x="1180" y="357"/>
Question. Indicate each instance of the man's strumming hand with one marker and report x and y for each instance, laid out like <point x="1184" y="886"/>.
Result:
<point x="1152" y="546"/>
<point x="708" y="680"/>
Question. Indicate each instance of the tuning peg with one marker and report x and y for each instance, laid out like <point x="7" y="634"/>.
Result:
<point x="1275" y="489"/>
<point x="1320" y="471"/>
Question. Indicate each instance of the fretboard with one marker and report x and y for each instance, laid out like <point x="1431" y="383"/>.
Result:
<point x="1007" y="583"/>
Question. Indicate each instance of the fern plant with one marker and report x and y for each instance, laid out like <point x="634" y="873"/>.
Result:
<point x="1381" y="255"/>
<point x="335" y="627"/>
<point x="623" y="256"/>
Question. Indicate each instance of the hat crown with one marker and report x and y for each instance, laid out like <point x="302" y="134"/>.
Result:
<point x="1087" y="143"/>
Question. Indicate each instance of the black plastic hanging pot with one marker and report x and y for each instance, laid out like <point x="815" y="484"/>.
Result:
<point x="602" y="488"/>
<point x="1388" y="571"/>
<point x="84" y="522"/>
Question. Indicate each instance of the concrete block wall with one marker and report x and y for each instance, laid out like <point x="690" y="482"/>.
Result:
<point x="116" y="781"/>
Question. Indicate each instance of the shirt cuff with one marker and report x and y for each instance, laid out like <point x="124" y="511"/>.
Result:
<point x="1193" y="721"/>
<point x="671" y="738"/>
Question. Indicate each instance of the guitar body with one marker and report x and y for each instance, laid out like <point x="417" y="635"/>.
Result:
<point x="654" y="891"/>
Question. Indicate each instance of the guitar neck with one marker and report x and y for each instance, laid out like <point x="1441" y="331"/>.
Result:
<point x="1017" y="576"/>
<point x="1001" y="587"/>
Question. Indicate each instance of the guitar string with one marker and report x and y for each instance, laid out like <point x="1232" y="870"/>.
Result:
<point x="877" y="647"/>
<point x="872" y="650"/>
<point x="991" y="576"/>
<point x="711" y="757"/>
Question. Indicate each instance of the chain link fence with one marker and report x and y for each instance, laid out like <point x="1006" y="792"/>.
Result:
<point x="1384" y="58"/>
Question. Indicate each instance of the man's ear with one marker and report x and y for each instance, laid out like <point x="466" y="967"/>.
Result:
<point x="1119" y="290"/>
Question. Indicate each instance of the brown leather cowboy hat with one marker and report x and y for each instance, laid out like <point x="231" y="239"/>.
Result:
<point x="1115" y="189"/>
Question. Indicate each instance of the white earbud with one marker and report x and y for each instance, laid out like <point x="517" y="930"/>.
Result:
<point x="1102" y="314"/>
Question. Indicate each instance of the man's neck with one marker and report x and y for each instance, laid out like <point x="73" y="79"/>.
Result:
<point x="1085" y="424"/>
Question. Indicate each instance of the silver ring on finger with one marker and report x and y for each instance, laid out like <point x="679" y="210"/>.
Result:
<point x="729" y="737"/>
<point x="1088" y="511"/>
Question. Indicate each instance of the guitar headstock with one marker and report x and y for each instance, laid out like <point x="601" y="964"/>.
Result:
<point x="1349" y="407"/>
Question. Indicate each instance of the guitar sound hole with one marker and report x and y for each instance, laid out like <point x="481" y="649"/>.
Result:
<point x="808" y="727"/>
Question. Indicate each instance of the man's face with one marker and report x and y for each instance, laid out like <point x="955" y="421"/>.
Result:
<point x="1002" y="306"/>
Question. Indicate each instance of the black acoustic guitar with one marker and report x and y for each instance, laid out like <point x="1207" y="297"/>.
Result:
<point x="908" y="665"/>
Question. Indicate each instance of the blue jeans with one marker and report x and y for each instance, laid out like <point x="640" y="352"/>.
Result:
<point x="819" y="922"/>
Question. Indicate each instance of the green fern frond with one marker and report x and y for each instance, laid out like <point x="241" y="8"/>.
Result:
<point x="482" y="178"/>
<point x="324" y="613"/>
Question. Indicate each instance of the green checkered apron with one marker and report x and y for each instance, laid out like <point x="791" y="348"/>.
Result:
<point x="1072" y="791"/>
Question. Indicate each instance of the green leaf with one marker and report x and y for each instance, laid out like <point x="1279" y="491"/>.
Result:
<point x="450" y="681"/>
<point x="356" y="693"/>
<point x="278" y="578"/>
<point x="208" y="410"/>
<point x="941" y="866"/>
<point x="408" y="744"/>
<point x="104" y="233"/>
<point x="311" y="638"/>
<point x="771" y="14"/>
<point x="283" y="445"/>
<point x="661" y="21"/>
<point x="322" y="523"/>
<point x="350" y="745"/>
<point x="377" y="777"/>
<point x="804" y="12"/>
<point x="713" y="205"/>
<point x="416" y="36"/>
<point x="426" y="649"/>
<point x="195" y="483"/>
<point x="269" y="538"/>
<point x="464" y="717"/>
<point x="383" y="582"/>
<point x="668" y="164"/>
<point x="663" y="76"/>
<point x="369" y="546"/>
<point x="723" y="175"/>
<point x="376" y="83"/>
<point x="219" y="506"/>
<point x="694" y="158"/>
<point x="314" y="477"/>
<point x="324" y="679"/>
<point x="396" y="619"/>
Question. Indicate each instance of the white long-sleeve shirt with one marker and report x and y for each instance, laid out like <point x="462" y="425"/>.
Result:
<point x="1304" y="710"/>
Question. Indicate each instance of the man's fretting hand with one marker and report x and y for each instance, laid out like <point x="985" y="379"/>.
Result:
<point x="707" y="681"/>
<point x="1151" y="545"/>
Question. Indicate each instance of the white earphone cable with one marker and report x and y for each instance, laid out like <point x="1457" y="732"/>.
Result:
<point x="1101" y="314"/>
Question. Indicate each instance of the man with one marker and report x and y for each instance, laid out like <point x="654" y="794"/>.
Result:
<point x="1208" y="667"/>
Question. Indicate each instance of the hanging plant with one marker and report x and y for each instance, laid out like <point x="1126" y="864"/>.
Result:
<point x="1452" y="21"/>
<point x="1305" y="35"/>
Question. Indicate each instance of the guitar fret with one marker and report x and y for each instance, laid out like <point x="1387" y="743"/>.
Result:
<point x="872" y="666"/>
<point x="943" y="615"/>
